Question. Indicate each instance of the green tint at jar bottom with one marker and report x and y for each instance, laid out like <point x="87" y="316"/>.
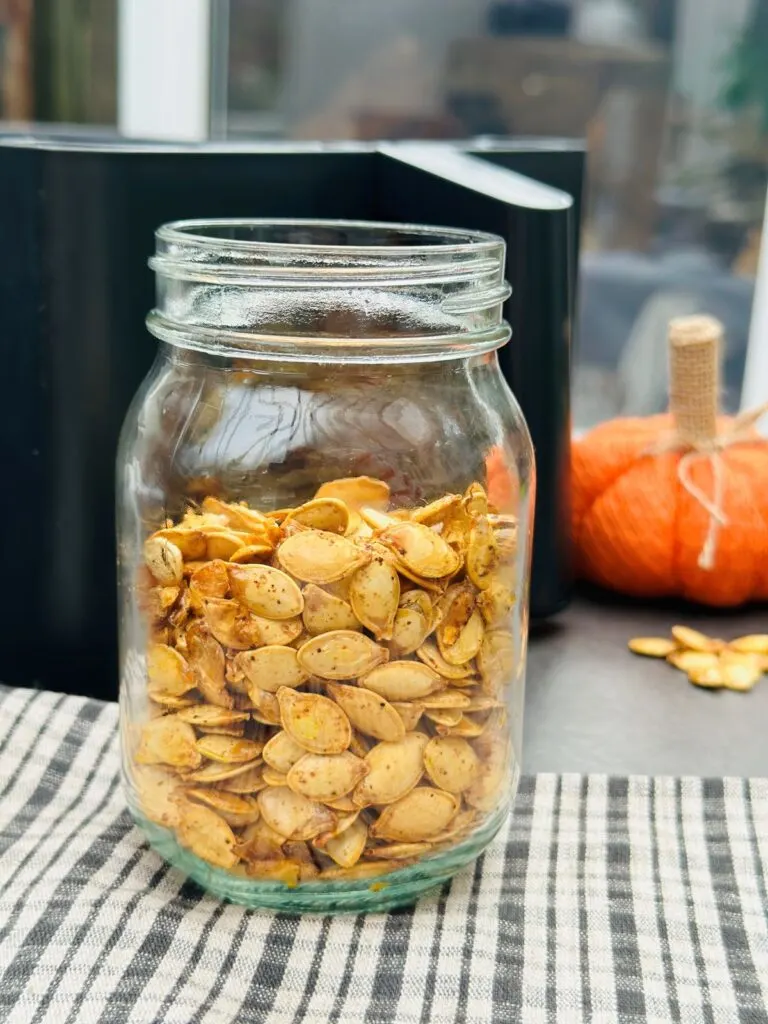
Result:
<point x="395" y="889"/>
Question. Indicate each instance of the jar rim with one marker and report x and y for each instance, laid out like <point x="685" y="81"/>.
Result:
<point x="332" y="289"/>
<point x="437" y="238"/>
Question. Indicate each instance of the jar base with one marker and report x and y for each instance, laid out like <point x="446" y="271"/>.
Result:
<point x="397" y="888"/>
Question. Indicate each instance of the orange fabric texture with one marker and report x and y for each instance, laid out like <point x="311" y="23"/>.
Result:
<point x="638" y="531"/>
<point x="503" y="490"/>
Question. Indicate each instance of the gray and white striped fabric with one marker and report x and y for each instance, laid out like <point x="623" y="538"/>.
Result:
<point x="606" y="900"/>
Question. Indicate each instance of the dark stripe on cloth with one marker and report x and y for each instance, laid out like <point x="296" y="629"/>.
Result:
<point x="735" y="941"/>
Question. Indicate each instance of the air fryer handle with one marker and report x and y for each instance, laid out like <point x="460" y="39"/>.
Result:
<point x="536" y="364"/>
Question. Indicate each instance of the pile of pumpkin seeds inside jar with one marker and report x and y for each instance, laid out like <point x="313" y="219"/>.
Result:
<point x="326" y="683"/>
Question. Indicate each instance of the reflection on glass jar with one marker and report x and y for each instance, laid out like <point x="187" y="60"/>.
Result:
<point x="326" y="495"/>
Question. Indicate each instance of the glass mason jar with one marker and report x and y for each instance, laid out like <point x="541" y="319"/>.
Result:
<point x="325" y="507"/>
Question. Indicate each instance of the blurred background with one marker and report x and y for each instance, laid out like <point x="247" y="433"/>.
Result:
<point x="672" y="96"/>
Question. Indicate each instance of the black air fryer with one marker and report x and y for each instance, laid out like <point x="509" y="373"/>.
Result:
<point x="77" y="221"/>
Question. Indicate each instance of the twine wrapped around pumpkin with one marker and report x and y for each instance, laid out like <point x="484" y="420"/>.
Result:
<point x="695" y="347"/>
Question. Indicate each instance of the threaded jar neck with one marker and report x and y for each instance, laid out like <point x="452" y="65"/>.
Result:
<point x="328" y="290"/>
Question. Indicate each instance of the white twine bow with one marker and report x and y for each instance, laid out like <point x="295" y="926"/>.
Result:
<point x="738" y="433"/>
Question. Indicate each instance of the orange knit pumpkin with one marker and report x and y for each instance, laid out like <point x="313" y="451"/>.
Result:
<point x="676" y="505"/>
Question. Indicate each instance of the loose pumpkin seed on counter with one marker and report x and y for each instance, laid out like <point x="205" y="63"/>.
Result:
<point x="325" y="684"/>
<point x="709" y="662"/>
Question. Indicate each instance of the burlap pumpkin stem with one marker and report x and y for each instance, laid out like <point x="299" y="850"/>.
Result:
<point x="662" y="502"/>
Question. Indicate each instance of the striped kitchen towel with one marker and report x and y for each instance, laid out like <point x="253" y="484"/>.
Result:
<point x="606" y="900"/>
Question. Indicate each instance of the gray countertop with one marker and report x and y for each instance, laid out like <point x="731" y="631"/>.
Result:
<point x="592" y="706"/>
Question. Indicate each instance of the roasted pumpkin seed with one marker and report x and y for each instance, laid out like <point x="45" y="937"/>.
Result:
<point x="168" y="671"/>
<point x="272" y="777"/>
<point x="316" y="556"/>
<point x="285" y="871"/>
<point x="368" y="711"/>
<point x="444" y="699"/>
<point x="281" y="752"/>
<point x="436" y="511"/>
<point x="158" y="792"/>
<point x="488" y="788"/>
<point x="190" y="542"/>
<point x="475" y="501"/>
<point x="292" y="815"/>
<point x="444" y="716"/>
<point x="409" y="713"/>
<point x="409" y="631"/>
<point x="246" y="782"/>
<point x="431" y="656"/>
<point x="223" y="543"/>
<point x="482" y="553"/>
<point x="210" y="716"/>
<point x="356" y="491"/>
<point x="207" y="835"/>
<point x="230" y="624"/>
<point x="325" y="513"/>
<point x="756" y="643"/>
<point x="164" y="560"/>
<point x="454" y="610"/>
<point x="652" y="646"/>
<point x="451" y="763"/>
<point x="402" y="680"/>
<point x="325" y="777"/>
<point x="374" y="592"/>
<point x="375" y="518"/>
<point x="467" y="644"/>
<point x="399" y="851"/>
<point x="171" y="701"/>
<point x="299" y="853"/>
<point x="421" y="814"/>
<point x="266" y="591"/>
<point x="496" y="603"/>
<point x="216" y="772"/>
<point x="252" y="553"/>
<point x="496" y="660"/>
<point x="168" y="740"/>
<point x="209" y="664"/>
<point x="324" y="613"/>
<point x="693" y="640"/>
<point x="739" y="675"/>
<point x="347" y="847"/>
<point x="227" y="750"/>
<point x="271" y="667"/>
<point x="267" y="709"/>
<point x="467" y="727"/>
<point x="364" y="869"/>
<point x="343" y="822"/>
<point x="341" y="654"/>
<point x="276" y="631"/>
<point x="344" y="804"/>
<point x="421" y="550"/>
<point x="393" y="770"/>
<point x="210" y="580"/>
<point x="237" y="516"/>
<point x="693" y="661"/>
<point x="316" y="723"/>
<point x="234" y="809"/>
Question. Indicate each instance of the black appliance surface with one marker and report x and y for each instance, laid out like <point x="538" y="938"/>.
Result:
<point x="77" y="222"/>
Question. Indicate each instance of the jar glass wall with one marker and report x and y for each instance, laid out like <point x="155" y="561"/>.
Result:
<point x="325" y="506"/>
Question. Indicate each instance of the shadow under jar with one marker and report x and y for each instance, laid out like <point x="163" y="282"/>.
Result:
<point x="325" y="505"/>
